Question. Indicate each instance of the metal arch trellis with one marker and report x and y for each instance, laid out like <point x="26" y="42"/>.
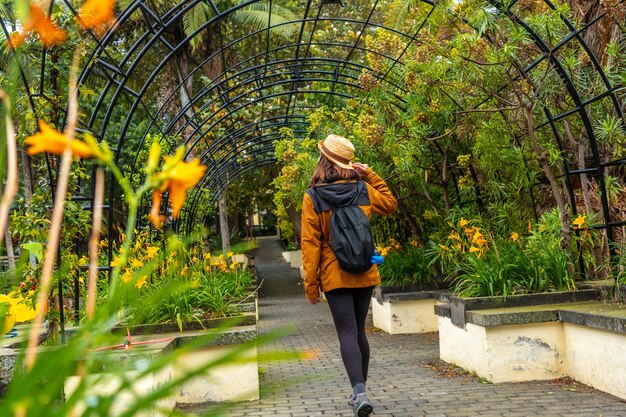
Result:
<point x="251" y="99"/>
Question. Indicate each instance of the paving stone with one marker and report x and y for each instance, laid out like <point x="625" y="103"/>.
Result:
<point x="400" y="384"/>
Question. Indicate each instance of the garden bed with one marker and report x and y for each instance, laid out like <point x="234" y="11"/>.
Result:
<point x="537" y="337"/>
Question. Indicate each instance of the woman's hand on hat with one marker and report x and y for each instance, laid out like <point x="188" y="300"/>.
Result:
<point x="360" y="168"/>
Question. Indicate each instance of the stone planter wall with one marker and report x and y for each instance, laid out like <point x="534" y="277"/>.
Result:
<point x="294" y="257"/>
<point x="401" y="313"/>
<point x="584" y="338"/>
<point x="408" y="309"/>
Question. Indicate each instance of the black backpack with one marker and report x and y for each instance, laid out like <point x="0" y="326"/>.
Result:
<point x="350" y="234"/>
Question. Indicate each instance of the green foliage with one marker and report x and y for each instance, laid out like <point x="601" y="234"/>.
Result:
<point x="481" y="264"/>
<point x="297" y="158"/>
<point x="406" y="266"/>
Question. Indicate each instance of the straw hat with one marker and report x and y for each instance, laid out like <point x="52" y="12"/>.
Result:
<point x="338" y="149"/>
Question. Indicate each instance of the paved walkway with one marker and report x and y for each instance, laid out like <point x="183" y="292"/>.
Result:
<point x="406" y="378"/>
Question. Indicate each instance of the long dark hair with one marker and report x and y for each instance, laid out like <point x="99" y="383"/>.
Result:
<point x="327" y="171"/>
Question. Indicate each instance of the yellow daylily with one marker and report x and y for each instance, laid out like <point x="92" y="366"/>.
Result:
<point x="47" y="31"/>
<point x="152" y="251"/>
<point x="127" y="276"/>
<point x="479" y="239"/>
<point x="51" y="141"/>
<point x="229" y="254"/>
<point x="515" y="237"/>
<point x="97" y="14"/>
<point x="463" y="222"/>
<point x="136" y="263"/>
<point x="579" y="222"/>
<point x="179" y="178"/>
<point x="115" y="261"/>
<point x="141" y="281"/>
<point x="155" y="216"/>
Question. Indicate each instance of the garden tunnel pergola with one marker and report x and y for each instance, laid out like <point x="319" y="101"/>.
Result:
<point x="240" y="102"/>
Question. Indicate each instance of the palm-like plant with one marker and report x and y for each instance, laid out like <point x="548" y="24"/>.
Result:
<point x="255" y="16"/>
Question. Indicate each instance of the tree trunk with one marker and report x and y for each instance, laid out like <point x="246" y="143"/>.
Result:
<point x="10" y="253"/>
<point x="405" y="214"/>
<point x="224" y="223"/>
<point x="445" y="179"/>
<point x="29" y="185"/>
<point x="295" y="218"/>
<point x="557" y="191"/>
<point x="598" y="35"/>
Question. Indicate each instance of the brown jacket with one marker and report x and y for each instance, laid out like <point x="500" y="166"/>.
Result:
<point x="321" y="271"/>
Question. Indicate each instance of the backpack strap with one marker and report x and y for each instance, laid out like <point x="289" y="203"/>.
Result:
<point x="320" y="205"/>
<point x="361" y="197"/>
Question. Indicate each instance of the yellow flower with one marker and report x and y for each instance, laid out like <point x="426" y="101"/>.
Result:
<point x="49" y="33"/>
<point x="413" y="243"/>
<point x="51" y="141"/>
<point x="141" y="281"/>
<point x="179" y="178"/>
<point x="455" y="236"/>
<point x="128" y="275"/>
<point x="207" y="256"/>
<point x="444" y="247"/>
<point x="474" y="249"/>
<point x="136" y="263"/>
<point x="233" y="266"/>
<point x="515" y="237"/>
<point x="579" y="222"/>
<point x="479" y="238"/>
<point x="115" y="261"/>
<point x="152" y="251"/>
<point x="463" y="222"/>
<point x="229" y="254"/>
<point x="96" y="14"/>
<point x="83" y="260"/>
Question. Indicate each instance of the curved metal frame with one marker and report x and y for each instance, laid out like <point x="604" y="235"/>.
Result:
<point x="278" y="74"/>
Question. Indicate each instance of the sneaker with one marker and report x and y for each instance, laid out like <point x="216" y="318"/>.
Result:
<point x="352" y="399"/>
<point x="362" y="406"/>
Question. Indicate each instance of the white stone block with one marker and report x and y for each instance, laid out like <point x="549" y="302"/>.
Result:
<point x="108" y="384"/>
<point x="238" y="381"/>
<point x="597" y="358"/>
<point x="402" y="317"/>
<point x="514" y="353"/>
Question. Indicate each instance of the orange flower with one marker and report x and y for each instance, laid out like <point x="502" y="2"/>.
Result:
<point x="52" y="141"/>
<point x="155" y="216"/>
<point x="180" y="178"/>
<point x="515" y="237"/>
<point x="97" y="14"/>
<point x="463" y="222"/>
<point x="49" y="33"/>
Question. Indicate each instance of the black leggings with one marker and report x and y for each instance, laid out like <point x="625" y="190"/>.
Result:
<point x="349" y="307"/>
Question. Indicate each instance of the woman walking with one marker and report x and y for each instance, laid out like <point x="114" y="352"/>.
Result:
<point x="336" y="182"/>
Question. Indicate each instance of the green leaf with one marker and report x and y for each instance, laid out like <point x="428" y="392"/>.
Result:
<point x="36" y="248"/>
